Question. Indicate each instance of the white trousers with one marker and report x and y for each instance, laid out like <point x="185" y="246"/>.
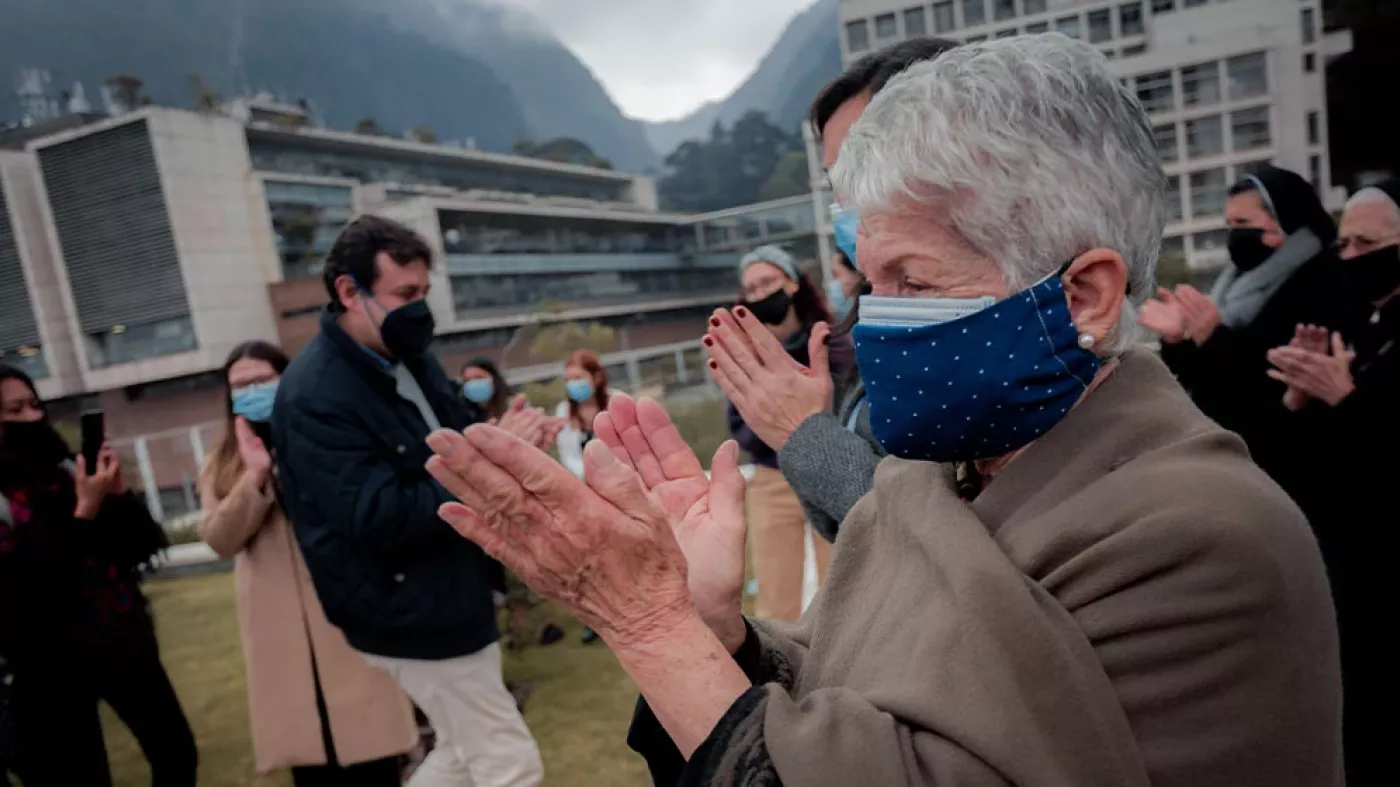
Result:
<point x="482" y="741"/>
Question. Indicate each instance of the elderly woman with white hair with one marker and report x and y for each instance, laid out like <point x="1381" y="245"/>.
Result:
<point x="1344" y="389"/>
<point x="1114" y="595"/>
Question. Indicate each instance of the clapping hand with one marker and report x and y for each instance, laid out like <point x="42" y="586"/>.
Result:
<point x="1201" y="315"/>
<point x="1310" y="371"/>
<point x="1162" y="315"/>
<point x="705" y="513"/>
<point x="773" y="393"/>
<point x="530" y="424"/>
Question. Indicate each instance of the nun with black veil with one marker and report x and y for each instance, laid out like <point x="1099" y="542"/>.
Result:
<point x="1284" y="273"/>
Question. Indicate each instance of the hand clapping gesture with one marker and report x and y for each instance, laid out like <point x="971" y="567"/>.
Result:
<point x="1313" y="367"/>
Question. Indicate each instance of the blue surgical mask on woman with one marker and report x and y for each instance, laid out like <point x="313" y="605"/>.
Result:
<point x="843" y="226"/>
<point x="254" y="402"/>
<point x="479" y="391"/>
<point x="957" y="379"/>
<point x="837" y="299"/>
<point x="579" y="391"/>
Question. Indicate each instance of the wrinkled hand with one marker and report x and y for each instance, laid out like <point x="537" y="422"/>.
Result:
<point x="530" y="423"/>
<point x="257" y="461"/>
<point x="706" y="514"/>
<point x="1162" y="315"/>
<point x="772" y="392"/>
<point x="1200" y="313"/>
<point x="1320" y="375"/>
<point x="93" y="489"/>
<point x="603" y="550"/>
<point x="1314" y="339"/>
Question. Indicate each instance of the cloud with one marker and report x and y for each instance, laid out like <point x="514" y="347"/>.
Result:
<point x="660" y="59"/>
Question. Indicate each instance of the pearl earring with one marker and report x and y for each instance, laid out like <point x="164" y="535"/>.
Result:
<point x="1086" y="341"/>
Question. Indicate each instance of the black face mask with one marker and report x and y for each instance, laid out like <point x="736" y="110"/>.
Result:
<point x="1247" y="248"/>
<point x="408" y="330"/>
<point x="773" y="309"/>
<point x="34" y="442"/>
<point x="1375" y="274"/>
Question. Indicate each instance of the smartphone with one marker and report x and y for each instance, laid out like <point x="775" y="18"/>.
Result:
<point x="94" y="434"/>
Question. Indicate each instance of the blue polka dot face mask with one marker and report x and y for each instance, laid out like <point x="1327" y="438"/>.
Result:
<point x="953" y="379"/>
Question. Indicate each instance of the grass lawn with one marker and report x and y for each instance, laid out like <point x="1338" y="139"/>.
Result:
<point x="578" y="713"/>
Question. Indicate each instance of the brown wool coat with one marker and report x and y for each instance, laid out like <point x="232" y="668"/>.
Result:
<point x="283" y="627"/>
<point x="1130" y="602"/>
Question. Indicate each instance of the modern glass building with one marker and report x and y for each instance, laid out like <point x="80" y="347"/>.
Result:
<point x="1231" y="85"/>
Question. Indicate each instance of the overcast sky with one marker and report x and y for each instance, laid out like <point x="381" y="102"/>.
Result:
<point x="660" y="59"/>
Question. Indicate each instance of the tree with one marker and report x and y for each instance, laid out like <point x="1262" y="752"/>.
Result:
<point x="423" y="134"/>
<point x="733" y="166"/>
<point x="125" y="90"/>
<point x="556" y="342"/>
<point x="565" y="150"/>
<point x="368" y="126"/>
<point x="790" y="177"/>
<point x="205" y="100"/>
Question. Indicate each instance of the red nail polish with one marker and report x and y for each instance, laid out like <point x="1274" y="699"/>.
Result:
<point x="741" y="312"/>
<point x="714" y="321"/>
<point x="713" y="364"/>
<point x="709" y="342"/>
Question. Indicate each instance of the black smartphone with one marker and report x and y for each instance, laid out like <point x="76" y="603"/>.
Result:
<point x="94" y="434"/>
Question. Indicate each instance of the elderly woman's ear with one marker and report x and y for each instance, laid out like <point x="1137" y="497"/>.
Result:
<point x="1096" y="284"/>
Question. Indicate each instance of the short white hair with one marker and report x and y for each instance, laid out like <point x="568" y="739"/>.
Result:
<point x="1029" y="147"/>
<point x="1371" y="195"/>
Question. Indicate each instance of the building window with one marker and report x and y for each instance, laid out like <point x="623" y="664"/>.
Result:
<point x="1034" y="6"/>
<point x="1100" y="26"/>
<point x="1175" y="246"/>
<point x="1165" y="139"/>
<point x="1038" y="27"/>
<point x="1200" y="84"/>
<point x="1003" y="10"/>
<point x="1250" y="128"/>
<point x="976" y="39"/>
<point x="1205" y="137"/>
<point x="306" y="218"/>
<point x="943" y="20"/>
<point x="857" y="36"/>
<point x="1109" y="54"/>
<point x="1134" y="50"/>
<point x="1251" y="167"/>
<point x="1173" y="198"/>
<point x="914" y="22"/>
<point x="885" y="26"/>
<point x="1163" y="6"/>
<point x="1155" y="91"/>
<point x="1314" y="129"/>
<point x="1130" y="19"/>
<point x="1309" y="26"/>
<point x="1309" y="62"/>
<point x="1007" y="33"/>
<point x="1208" y="192"/>
<point x="130" y="343"/>
<point x="1248" y="75"/>
<point x="1215" y="240"/>
<point x="1069" y="26"/>
<point x="1193" y="3"/>
<point x="974" y="13"/>
<point x="1315" y="170"/>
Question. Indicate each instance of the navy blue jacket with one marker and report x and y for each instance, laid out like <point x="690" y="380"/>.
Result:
<point x="389" y="572"/>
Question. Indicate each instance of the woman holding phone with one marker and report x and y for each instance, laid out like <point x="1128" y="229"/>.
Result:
<point x="74" y="625"/>
<point x="316" y="706"/>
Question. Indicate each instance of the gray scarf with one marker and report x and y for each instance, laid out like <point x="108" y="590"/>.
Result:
<point x="1241" y="296"/>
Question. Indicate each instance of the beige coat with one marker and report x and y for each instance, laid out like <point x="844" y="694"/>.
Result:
<point x="283" y="629"/>
<point x="1131" y="601"/>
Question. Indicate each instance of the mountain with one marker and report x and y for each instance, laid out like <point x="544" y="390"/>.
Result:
<point x="805" y="57"/>
<point x="458" y="68"/>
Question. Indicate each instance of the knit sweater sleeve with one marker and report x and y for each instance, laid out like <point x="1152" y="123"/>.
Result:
<point x="830" y="468"/>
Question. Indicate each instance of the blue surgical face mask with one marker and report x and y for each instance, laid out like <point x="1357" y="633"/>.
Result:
<point x="254" y="402"/>
<point x="479" y="391"/>
<point x="837" y="299"/>
<point x="962" y="379"/>
<point x="579" y="390"/>
<point x="843" y="226"/>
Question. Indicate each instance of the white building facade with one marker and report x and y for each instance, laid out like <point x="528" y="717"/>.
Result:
<point x="1231" y="85"/>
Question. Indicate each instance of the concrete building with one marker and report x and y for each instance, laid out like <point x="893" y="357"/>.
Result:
<point x="137" y="251"/>
<point x="1231" y="85"/>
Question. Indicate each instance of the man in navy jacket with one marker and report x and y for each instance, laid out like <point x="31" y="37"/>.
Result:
<point x="351" y="417"/>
